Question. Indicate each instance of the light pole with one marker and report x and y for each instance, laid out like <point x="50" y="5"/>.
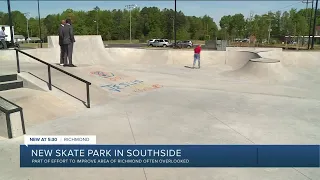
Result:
<point x="97" y="18"/>
<point x="172" y="28"/>
<point x="27" y="16"/>
<point x="39" y="24"/>
<point x="97" y="26"/>
<point x="314" y="23"/>
<point x="269" y="28"/>
<point x="307" y="3"/>
<point x="10" y="22"/>
<point x="310" y="25"/>
<point x="251" y="28"/>
<point x="175" y="22"/>
<point x="269" y="31"/>
<point x="130" y="7"/>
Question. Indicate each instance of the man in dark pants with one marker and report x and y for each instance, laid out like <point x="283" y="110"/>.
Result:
<point x="68" y="40"/>
<point x="62" y="49"/>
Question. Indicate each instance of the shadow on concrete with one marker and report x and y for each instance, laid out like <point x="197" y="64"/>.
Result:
<point x="58" y="64"/>
<point x="188" y="67"/>
<point x="191" y="67"/>
<point x="83" y="102"/>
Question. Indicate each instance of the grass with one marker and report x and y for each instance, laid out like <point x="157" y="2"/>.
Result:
<point x="198" y="42"/>
<point x="136" y="41"/>
<point x="33" y="45"/>
<point x="284" y="46"/>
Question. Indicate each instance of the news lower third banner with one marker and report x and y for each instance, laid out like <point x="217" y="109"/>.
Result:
<point x="169" y="156"/>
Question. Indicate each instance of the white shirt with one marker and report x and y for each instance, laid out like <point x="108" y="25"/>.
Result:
<point x="2" y="35"/>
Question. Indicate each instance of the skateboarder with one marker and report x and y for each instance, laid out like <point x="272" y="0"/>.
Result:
<point x="196" y="56"/>
<point x="2" y="38"/>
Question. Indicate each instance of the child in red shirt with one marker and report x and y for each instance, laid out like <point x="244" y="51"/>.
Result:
<point x="196" y="56"/>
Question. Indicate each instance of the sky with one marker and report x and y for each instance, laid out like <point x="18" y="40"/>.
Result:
<point x="215" y="9"/>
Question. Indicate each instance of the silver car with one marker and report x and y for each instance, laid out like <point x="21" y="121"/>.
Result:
<point x="151" y="41"/>
<point x="160" y="43"/>
<point x="186" y="44"/>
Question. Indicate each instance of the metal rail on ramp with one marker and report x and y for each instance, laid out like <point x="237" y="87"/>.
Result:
<point x="49" y="73"/>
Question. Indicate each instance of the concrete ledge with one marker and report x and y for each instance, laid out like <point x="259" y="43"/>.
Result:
<point x="32" y="82"/>
<point x="265" y="60"/>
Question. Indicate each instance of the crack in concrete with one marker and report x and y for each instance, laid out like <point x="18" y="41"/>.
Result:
<point x="135" y="142"/>
<point x="301" y="173"/>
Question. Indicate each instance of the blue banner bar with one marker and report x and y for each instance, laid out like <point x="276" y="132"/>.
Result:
<point x="289" y="156"/>
<point x="169" y="156"/>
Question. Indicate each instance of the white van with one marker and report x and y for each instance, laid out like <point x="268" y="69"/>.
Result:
<point x="7" y="31"/>
<point x="8" y="38"/>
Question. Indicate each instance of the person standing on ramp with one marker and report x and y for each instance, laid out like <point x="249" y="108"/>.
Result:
<point x="62" y="49"/>
<point x="68" y="40"/>
<point x="196" y="56"/>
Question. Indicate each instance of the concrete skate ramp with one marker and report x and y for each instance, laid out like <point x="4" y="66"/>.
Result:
<point x="298" y="59"/>
<point x="237" y="59"/>
<point x="87" y="50"/>
<point x="91" y="42"/>
<point x="263" y="69"/>
<point x="129" y="56"/>
<point x="308" y="60"/>
<point x="254" y="49"/>
<point x="90" y="50"/>
<point x="39" y="106"/>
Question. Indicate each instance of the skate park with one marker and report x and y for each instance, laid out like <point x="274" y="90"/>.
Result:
<point x="148" y="96"/>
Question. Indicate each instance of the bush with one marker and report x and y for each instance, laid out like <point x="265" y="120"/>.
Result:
<point x="142" y="39"/>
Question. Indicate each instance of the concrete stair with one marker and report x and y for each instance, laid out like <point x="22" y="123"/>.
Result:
<point x="10" y="81"/>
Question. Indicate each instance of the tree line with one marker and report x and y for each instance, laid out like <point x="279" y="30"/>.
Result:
<point x="152" y="22"/>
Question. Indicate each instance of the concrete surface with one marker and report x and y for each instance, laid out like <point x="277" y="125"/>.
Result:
<point x="240" y="96"/>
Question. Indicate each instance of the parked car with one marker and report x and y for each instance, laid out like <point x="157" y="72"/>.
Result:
<point x="160" y="43"/>
<point x="151" y="41"/>
<point x="186" y="44"/>
<point x="245" y="40"/>
<point x="174" y="45"/>
<point x="183" y="44"/>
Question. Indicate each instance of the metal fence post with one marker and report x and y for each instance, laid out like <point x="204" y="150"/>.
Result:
<point x="22" y="122"/>
<point x="49" y="76"/>
<point x="88" y="95"/>
<point x="18" y="62"/>
<point x="9" y="125"/>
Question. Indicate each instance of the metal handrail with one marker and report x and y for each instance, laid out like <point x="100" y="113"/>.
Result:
<point x="8" y="112"/>
<point x="49" y="72"/>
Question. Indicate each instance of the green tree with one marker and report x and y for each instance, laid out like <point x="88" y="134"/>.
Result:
<point x="226" y="25"/>
<point x="238" y="25"/>
<point x="51" y="23"/>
